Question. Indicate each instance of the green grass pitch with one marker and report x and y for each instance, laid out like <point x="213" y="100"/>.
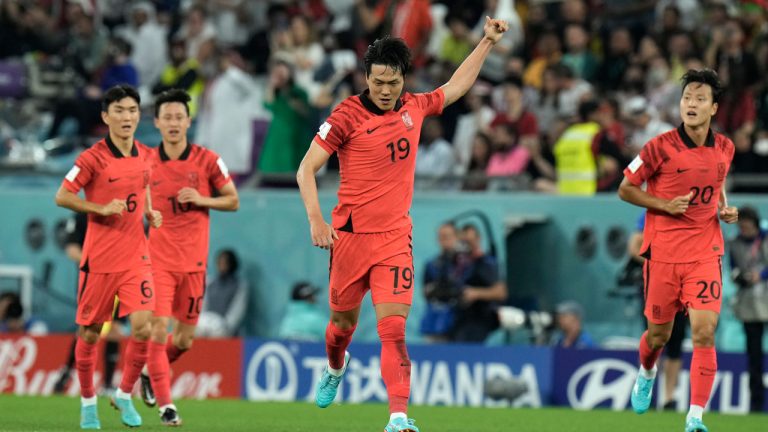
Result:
<point x="19" y="413"/>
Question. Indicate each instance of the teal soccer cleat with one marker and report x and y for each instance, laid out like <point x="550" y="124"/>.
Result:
<point x="695" y="425"/>
<point x="401" y="425"/>
<point x="641" y="394"/>
<point x="326" y="389"/>
<point x="128" y="413"/>
<point x="89" y="417"/>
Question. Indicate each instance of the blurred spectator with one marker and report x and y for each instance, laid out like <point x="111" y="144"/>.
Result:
<point x="457" y="44"/>
<point x="289" y="133"/>
<point x="548" y="52"/>
<point x="643" y="122"/>
<point x="478" y="118"/>
<point x="200" y="36"/>
<point x="475" y="177"/>
<point x="406" y="19"/>
<point x="575" y="158"/>
<point x="749" y="270"/>
<point x="435" y="158"/>
<point x="148" y="41"/>
<point x="545" y="103"/>
<point x="303" y="320"/>
<point x="514" y="113"/>
<point x="578" y="57"/>
<point x="738" y="69"/>
<point x="297" y="46"/>
<point x="483" y="290"/>
<point x="30" y="28"/>
<point x="569" y="317"/>
<point x="616" y="60"/>
<point x="443" y="281"/>
<point x="226" y="299"/>
<point x="87" y="47"/>
<point x="232" y="20"/>
<point x="663" y="91"/>
<point x="12" y="317"/>
<point x="571" y="92"/>
<point x="86" y="108"/>
<point x="183" y="73"/>
<point x="509" y="157"/>
<point x="229" y="106"/>
<point x="493" y="68"/>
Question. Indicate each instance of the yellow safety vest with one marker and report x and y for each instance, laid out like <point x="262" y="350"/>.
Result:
<point x="172" y="74"/>
<point x="576" y="165"/>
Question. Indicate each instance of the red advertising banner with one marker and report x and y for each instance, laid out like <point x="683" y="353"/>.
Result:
<point x="32" y="365"/>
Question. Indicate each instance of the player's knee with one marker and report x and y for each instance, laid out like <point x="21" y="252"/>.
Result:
<point x="159" y="332"/>
<point x="185" y="342"/>
<point x="657" y="340"/>
<point x="142" y="332"/>
<point x="391" y="328"/>
<point x="90" y="334"/>
<point x="703" y="335"/>
<point x="343" y="322"/>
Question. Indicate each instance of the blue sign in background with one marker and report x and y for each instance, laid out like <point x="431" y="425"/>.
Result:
<point x="586" y="379"/>
<point x="440" y="374"/>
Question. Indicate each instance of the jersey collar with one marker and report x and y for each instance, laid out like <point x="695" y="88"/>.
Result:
<point x="116" y="151"/>
<point x="370" y="106"/>
<point x="184" y="155"/>
<point x="709" y="142"/>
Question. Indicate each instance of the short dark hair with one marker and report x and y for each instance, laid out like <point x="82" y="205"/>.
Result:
<point x="232" y="260"/>
<point x="119" y="92"/>
<point x="587" y="108"/>
<point x="704" y="76"/>
<point x="747" y="213"/>
<point x="470" y="227"/>
<point x="388" y="51"/>
<point x="172" y="95"/>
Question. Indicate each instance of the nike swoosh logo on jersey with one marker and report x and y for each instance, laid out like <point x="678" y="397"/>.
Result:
<point x="680" y="171"/>
<point x="370" y="131"/>
<point x="155" y="183"/>
<point x="111" y="180"/>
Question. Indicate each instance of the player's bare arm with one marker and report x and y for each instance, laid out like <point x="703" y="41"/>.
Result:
<point x="67" y="199"/>
<point x="727" y="213"/>
<point x="634" y="195"/>
<point x="228" y="200"/>
<point x="321" y="232"/>
<point x="467" y="72"/>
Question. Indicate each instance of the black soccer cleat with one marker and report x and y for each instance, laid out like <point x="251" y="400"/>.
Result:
<point x="170" y="417"/>
<point x="147" y="393"/>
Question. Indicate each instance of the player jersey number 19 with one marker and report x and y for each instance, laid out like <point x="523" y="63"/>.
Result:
<point x="403" y="149"/>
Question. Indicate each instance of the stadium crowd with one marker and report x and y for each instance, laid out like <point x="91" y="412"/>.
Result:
<point x="574" y="74"/>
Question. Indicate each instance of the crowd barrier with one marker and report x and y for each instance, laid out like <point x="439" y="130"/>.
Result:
<point x="451" y="375"/>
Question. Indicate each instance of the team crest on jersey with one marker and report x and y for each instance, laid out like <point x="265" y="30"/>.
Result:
<point x="407" y="120"/>
<point x="720" y="171"/>
<point x="193" y="180"/>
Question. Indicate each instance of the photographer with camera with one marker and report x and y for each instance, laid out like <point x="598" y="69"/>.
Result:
<point x="482" y="293"/>
<point x="749" y="270"/>
<point x="444" y="278"/>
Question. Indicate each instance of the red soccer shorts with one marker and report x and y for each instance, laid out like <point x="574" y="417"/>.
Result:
<point x="381" y="262"/>
<point x="671" y="287"/>
<point x="96" y="294"/>
<point x="179" y="295"/>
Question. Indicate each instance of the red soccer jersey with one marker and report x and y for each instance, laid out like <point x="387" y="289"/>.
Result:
<point x="673" y="166"/>
<point x="181" y="244"/>
<point x="113" y="243"/>
<point x="377" y="159"/>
